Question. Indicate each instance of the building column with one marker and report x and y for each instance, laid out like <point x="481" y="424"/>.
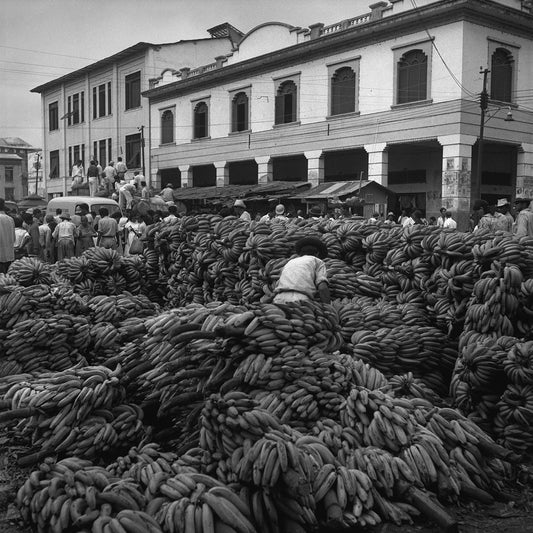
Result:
<point x="222" y="173"/>
<point x="457" y="176"/>
<point x="154" y="179"/>
<point x="186" y="175"/>
<point x="378" y="163"/>
<point x="315" y="167"/>
<point x="264" y="169"/>
<point x="524" y="171"/>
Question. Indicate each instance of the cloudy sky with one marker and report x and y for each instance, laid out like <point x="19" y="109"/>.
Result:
<point x="44" y="39"/>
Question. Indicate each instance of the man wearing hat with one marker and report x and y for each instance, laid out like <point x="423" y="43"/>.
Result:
<point x="240" y="210"/>
<point x="167" y="193"/>
<point x="304" y="277"/>
<point x="504" y="207"/>
<point x="524" y="219"/>
<point x="315" y="213"/>
<point x="280" y="214"/>
<point x="63" y="235"/>
<point x="390" y="219"/>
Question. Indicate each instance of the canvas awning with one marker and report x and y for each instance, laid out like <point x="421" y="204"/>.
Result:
<point x="338" y="189"/>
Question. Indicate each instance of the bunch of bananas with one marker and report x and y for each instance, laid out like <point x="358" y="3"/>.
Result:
<point x="31" y="271"/>
<point x="79" y="411"/>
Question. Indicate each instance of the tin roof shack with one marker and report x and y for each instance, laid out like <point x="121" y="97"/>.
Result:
<point x="258" y="198"/>
<point x="362" y="198"/>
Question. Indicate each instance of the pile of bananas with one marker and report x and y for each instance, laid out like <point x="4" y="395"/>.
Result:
<point x="79" y="411"/>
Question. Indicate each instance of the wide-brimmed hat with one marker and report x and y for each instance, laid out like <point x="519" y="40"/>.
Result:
<point x="64" y="216"/>
<point x="239" y="203"/>
<point x="312" y="242"/>
<point x="280" y="209"/>
<point x="315" y="211"/>
<point x="501" y="202"/>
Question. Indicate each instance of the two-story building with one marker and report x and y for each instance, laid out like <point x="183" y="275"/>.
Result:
<point x="97" y="111"/>
<point x="393" y="93"/>
<point x="14" y="156"/>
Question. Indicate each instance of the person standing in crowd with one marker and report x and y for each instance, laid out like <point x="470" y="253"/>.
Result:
<point x="407" y="220"/>
<point x="390" y="219"/>
<point x="280" y="216"/>
<point x="492" y="220"/>
<point x="305" y="276"/>
<point x="315" y="213"/>
<point x="134" y="230"/>
<point x="7" y="238"/>
<point x="374" y="218"/>
<point x="479" y="210"/>
<point x="81" y="210"/>
<point x="432" y="221"/>
<point x="403" y="216"/>
<point x="126" y="195"/>
<point x="93" y="177"/>
<point x="138" y="177"/>
<point x="172" y="214"/>
<point x="145" y="192"/>
<point x="31" y="225"/>
<point x="109" y="177"/>
<point x="524" y="219"/>
<point x="121" y="169"/>
<point x="449" y="223"/>
<point x="22" y="243"/>
<point x="45" y="239"/>
<point x="167" y="193"/>
<point x="107" y="229"/>
<point x="442" y="217"/>
<point x="77" y="173"/>
<point x="57" y="216"/>
<point x="504" y="207"/>
<point x="84" y="235"/>
<point x="64" y="235"/>
<point x="240" y="210"/>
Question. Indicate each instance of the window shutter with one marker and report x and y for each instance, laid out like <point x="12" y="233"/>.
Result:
<point x="280" y="111"/>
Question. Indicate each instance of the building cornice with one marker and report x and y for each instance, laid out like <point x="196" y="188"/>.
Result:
<point x="480" y="12"/>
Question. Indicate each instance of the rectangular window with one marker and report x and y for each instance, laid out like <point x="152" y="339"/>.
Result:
<point x="53" y="116"/>
<point x="95" y="149"/>
<point x="102" y="155"/>
<point x="76" y="154"/>
<point x="70" y="163"/>
<point x="109" y="146"/>
<point x="101" y="100"/>
<point x="76" y="108"/>
<point x="133" y="150"/>
<point x="109" y="98"/>
<point x="95" y="103"/>
<point x="133" y="90"/>
<point x="54" y="164"/>
<point x="9" y="174"/>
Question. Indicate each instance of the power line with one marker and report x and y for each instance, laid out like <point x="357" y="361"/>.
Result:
<point x="44" y="52"/>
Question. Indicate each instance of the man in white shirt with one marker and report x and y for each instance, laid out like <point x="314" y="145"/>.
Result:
<point x="77" y="173"/>
<point x="121" y="169"/>
<point x="173" y="214"/>
<point x="167" y="193"/>
<point x="442" y="217"/>
<point x="64" y="236"/>
<point x="45" y="239"/>
<point x="240" y="210"/>
<point x="305" y="276"/>
<point x="449" y="222"/>
<point x="280" y="214"/>
<point x="109" y="177"/>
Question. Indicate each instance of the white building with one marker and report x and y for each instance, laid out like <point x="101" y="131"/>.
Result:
<point x="393" y="93"/>
<point x="97" y="111"/>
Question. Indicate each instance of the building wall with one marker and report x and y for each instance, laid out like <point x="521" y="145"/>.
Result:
<point x="16" y="184"/>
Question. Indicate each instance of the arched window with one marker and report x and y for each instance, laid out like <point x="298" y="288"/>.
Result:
<point x="501" y="75"/>
<point x="343" y="91"/>
<point x="239" y="112"/>
<point x="167" y="127"/>
<point x="286" y="103"/>
<point x="412" y="77"/>
<point x="200" y="120"/>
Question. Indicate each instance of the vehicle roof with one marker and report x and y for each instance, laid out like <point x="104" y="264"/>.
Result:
<point x="84" y="199"/>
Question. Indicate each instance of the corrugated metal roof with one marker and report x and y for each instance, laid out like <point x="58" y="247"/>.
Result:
<point x="247" y="192"/>
<point x="337" y="188"/>
<point x="11" y="157"/>
<point x="14" y="142"/>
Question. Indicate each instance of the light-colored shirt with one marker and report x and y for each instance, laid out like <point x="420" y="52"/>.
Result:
<point x="449" y="223"/>
<point x="65" y="230"/>
<point x="440" y="222"/>
<point x="121" y="167"/>
<point x="408" y="221"/>
<point x="496" y="222"/>
<point x="77" y="173"/>
<point x="170" y="218"/>
<point x="145" y="193"/>
<point x="167" y="194"/>
<point x="245" y="216"/>
<point x="524" y="223"/>
<point x="7" y="238"/>
<point x="110" y="172"/>
<point x="45" y="234"/>
<point x="302" y="274"/>
<point x="107" y="227"/>
<point x="265" y="218"/>
<point x="21" y="235"/>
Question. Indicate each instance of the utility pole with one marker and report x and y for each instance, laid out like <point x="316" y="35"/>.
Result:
<point x="483" y="104"/>
<point x="141" y="129"/>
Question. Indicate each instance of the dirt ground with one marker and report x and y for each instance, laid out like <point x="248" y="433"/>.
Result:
<point x="515" y="516"/>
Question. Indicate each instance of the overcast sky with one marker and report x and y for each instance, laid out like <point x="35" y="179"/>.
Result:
<point x="44" y="39"/>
